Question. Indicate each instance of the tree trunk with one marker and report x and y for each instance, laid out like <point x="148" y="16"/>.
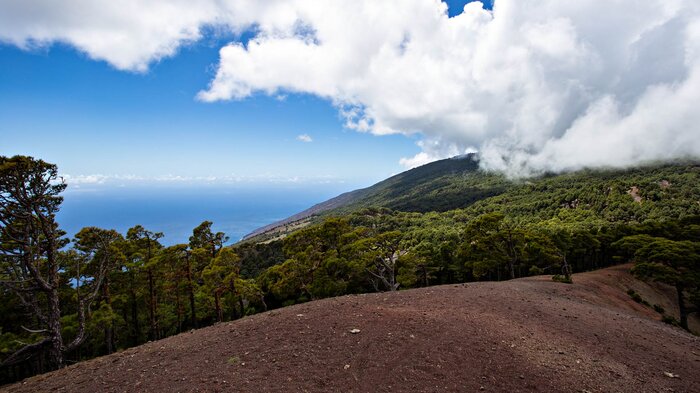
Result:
<point x="152" y="294"/>
<point x="109" y="330"/>
<point x="217" y="306"/>
<point x="135" y="328"/>
<point x="241" y="305"/>
<point x="178" y="306"/>
<point x="682" y="311"/>
<point x="55" y="353"/>
<point x="513" y="260"/>
<point x="190" y="289"/>
<point x="235" y="313"/>
<point x="153" y="334"/>
<point x="511" y="269"/>
<point x="424" y="275"/>
<point x="125" y="316"/>
<point x="566" y="269"/>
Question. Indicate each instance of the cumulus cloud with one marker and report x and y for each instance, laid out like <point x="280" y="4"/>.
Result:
<point x="533" y="85"/>
<point x="129" y="34"/>
<point x="305" y="138"/>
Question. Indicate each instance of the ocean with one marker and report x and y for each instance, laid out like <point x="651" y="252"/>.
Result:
<point x="176" y="211"/>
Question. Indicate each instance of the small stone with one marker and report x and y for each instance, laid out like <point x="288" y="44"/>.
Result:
<point x="671" y="375"/>
<point x="347" y="366"/>
<point x="354" y="331"/>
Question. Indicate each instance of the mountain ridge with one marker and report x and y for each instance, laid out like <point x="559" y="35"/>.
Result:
<point x="432" y="176"/>
<point x="458" y="183"/>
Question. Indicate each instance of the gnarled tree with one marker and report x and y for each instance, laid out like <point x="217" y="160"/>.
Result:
<point x="203" y="237"/>
<point x="97" y="255"/>
<point x="675" y="263"/>
<point x="29" y="244"/>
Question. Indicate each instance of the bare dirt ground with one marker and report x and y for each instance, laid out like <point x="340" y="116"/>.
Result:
<point x="527" y="335"/>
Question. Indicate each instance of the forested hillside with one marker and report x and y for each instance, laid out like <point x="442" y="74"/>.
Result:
<point x="660" y="191"/>
<point x="439" y="186"/>
<point x="65" y="300"/>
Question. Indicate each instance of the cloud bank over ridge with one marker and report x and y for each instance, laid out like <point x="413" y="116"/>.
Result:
<point x="534" y="85"/>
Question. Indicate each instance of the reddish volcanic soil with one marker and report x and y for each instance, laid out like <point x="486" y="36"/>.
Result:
<point x="517" y="336"/>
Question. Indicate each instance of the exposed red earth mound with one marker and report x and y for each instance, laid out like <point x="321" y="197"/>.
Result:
<point x="526" y="335"/>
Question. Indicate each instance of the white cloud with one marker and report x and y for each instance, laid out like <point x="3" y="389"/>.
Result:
<point x="97" y="178"/>
<point x="419" y="159"/>
<point x="534" y="85"/>
<point x="77" y="181"/>
<point x="305" y="138"/>
<point x="129" y="34"/>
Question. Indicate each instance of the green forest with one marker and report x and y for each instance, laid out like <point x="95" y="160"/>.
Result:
<point x="69" y="299"/>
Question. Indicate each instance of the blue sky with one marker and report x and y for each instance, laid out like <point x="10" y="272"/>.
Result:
<point x="90" y="118"/>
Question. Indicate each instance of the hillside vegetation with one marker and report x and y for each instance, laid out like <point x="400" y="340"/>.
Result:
<point x="450" y="222"/>
<point x="662" y="191"/>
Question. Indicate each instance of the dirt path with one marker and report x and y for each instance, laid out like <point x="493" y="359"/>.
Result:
<point x="528" y="335"/>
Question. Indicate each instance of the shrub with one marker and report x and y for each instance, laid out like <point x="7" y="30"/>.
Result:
<point x="563" y="279"/>
<point x="670" y="320"/>
<point x="635" y="296"/>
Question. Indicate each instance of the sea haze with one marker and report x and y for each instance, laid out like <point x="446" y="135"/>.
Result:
<point x="175" y="211"/>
